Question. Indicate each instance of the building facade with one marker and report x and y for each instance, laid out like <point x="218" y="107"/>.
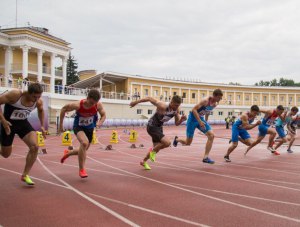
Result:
<point x="30" y="53"/>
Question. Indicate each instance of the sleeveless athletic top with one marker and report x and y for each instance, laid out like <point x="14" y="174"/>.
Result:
<point x="203" y="110"/>
<point x="17" y="111"/>
<point x="86" y="118"/>
<point x="282" y="123"/>
<point x="158" y="119"/>
<point x="239" y="122"/>
<point x="270" y="120"/>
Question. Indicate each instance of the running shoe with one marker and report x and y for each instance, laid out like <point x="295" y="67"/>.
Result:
<point x="175" y="142"/>
<point x="152" y="155"/>
<point x="208" y="160"/>
<point x="27" y="180"/>
<point x="227" y="159"/>
<point x="66" y="152"/>
<point x="82" y="173"/>
<point x="230" y="140"/>
<point x="145" y="165"/>
<point x="276" y="153"/>
<point x="271" y="149"/>
<point x="289" y="151"/>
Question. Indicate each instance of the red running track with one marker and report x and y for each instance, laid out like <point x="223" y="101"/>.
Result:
<point x="257" y="190"/>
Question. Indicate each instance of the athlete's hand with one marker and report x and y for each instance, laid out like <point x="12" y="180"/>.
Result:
<point x="183" y="118"/>
<point x="132" y="104"/>
<point x="43" y="132"/>
<point x="99" y="124"/>
<point x="202" y="125"/>
<point x="258" y="122"/>
<point x="6" y="125"/>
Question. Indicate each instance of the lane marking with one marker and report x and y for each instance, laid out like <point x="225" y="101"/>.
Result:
<point x="201" y="194"/>
<point x="99" y="205"/>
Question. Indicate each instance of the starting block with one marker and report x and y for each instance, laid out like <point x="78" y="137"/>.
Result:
<point x="43" y="151"/>
<point x="70" y="148"/>
<point x="114" y="137"/>
<point x="40" y="139"/>
<point x="67" y="139"/>
<point x="95" y="139"/>
<point x="133" y="146"/>
<point x="133" y="136"/>
<point x="141" y="145"/>
<point x="108" y="147"/>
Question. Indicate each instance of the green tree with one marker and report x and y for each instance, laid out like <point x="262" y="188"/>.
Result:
<point x="281" y="82"/>
<point x="72" y="75"/>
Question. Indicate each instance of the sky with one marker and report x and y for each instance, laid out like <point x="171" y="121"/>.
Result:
<point x="206" y="40"/>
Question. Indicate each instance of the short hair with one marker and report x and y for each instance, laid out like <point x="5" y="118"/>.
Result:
<point x="218" y="92"/>
<point x="295" y="109"/>
<point x="94" y="94"/>
<point x="35" y="88"/>
<point x="254" y="108"/>
<point x="176" y="99"/>
<point x="279" y="107"/>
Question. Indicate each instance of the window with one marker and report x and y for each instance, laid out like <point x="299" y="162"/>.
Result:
<point x="255" y="98"/>
<point x="149" y="111"/>
<point x="193" y="95"/>
<point x="298" y="99"/>
<point x="139" y="111"/>
<point x="146" y="92"/>
<point x="165" y="94"/>
<point x="238" y="97"/>
<point x="265" y="98"/>
<point x="155" y="92"/>
<point x="220" y="113"/>
<point x="281" y="98"/>
<point x="273" y="98"/>
<point x="247" y="98"/>
<point x="290" y="100"/>
<point x="229" y="113"/>
<point x="174" y="93"/>
<point x="135" y="90"/>
<point x="184" y="95"/>
<point x="181" y="112"/>
<point x="211" y="113"/>
<point x="229" y="97"/>
<point x="203" y="95"/>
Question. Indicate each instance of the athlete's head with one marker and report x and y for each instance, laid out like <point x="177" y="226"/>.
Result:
<point x="279" y="109"/>
<point x="217" y="95"/>
<point x="175" y="102"/>
<point x="294" y="110"/>
<point x="35" y="91"/>
<point x="93" y="97"/>
<point x="254" y="110"/>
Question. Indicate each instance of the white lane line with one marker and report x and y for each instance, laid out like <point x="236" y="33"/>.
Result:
<point x="220" y="175"/>
<point x="149" y="211"/>
<point x="203" y="195"/>
<point x="113" y="213"/>
<point x="39" y="179"/>
<point x="96" y="170"/>
<point x="237" y="194"/>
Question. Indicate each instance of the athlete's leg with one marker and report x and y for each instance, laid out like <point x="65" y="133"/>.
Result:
<point x="31" y="141"/>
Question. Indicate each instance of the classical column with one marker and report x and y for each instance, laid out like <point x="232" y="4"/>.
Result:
<point x="40" y="64"/>
<point x="189" y="96"/>
<point x="295" y="99"/>
<point x="269" y="99"/>
<point x="141" y="93"/>
<point x="252" y="98"/>
<point x="243" y="101"/>
<point x="25" y="61"/>
<point x="52" y="79"/>
<point x="151" y="91"/>
<point x="234" y="98"/>
<point x="64" y="70"/>
<point x="278" y="101"/>
<point x="8" y="63"/>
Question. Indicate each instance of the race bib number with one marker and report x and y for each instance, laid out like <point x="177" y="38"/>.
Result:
<point x="204" y="112"/>
<point x="85" y="121"/>
<point x="20" y="114"/>
<point x="270" y="122"/>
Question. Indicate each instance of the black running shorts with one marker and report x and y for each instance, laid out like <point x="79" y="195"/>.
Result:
<point x="87" y="131"/>
<point x="156" y="133"/>
<point x="20" y="127"/>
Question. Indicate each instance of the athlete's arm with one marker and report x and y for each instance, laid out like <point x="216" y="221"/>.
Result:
<point x="102" y="113"/>
<point x="245" y="123"/>
<point x="178" y="119"/>
<point x="153" y="101"/>
<point x="195" y="113"/>
<point x="8" y="98"/>
<point x="67" y="108"/>
<point x="41" y="115"/>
